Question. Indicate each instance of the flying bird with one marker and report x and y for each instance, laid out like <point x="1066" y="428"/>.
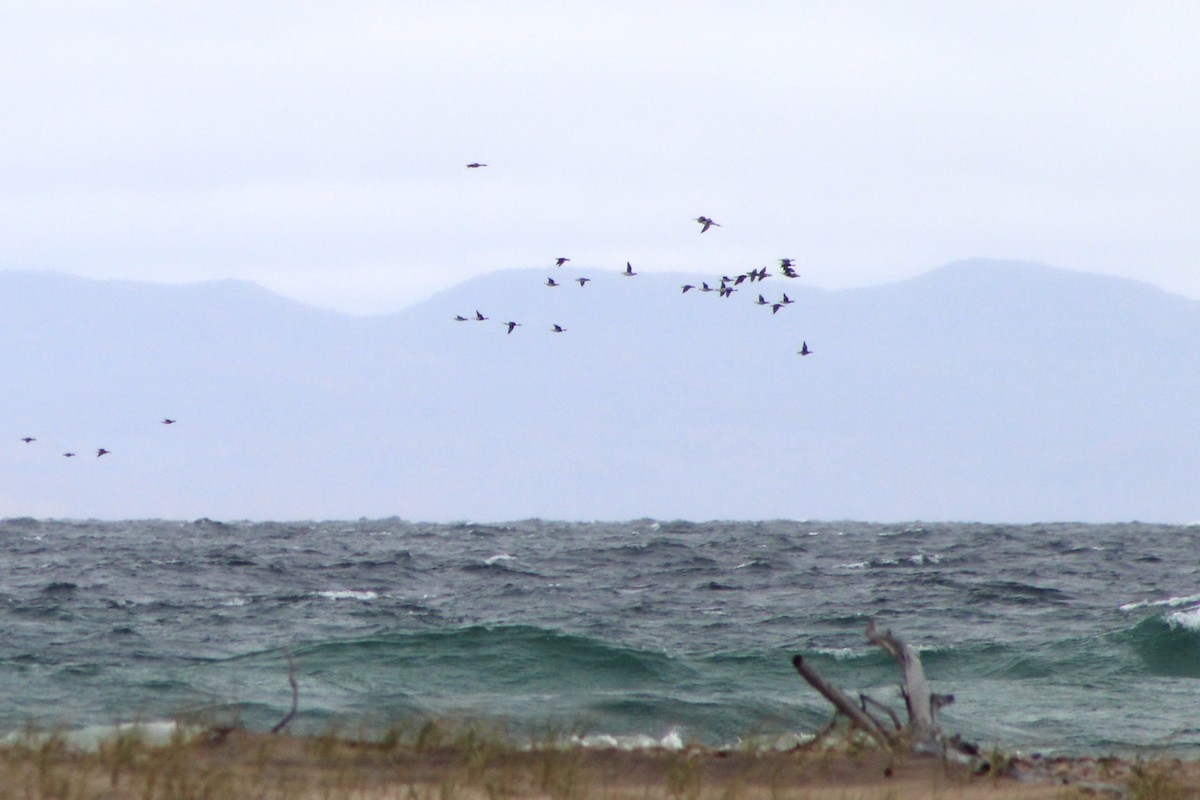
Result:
<point x="168" y="421"/>
<point x="707" y="223"/>
<point x="28" y="439"/>
<point x="460" y="318"/>
<point x="559" y="329"/>
<point x="68" y="455"/>
<point x="804" y="349"/>
<point x="761" y="301"/>
<point x="558" y="262"/>
<point x="101" y="452"/>
<point x="511" y="325"/>
<point x="479" y="317"/>
<point x="787" y="301"/>
<point x="582" y="281"/>
<point x="475" y="165"/>
<point x="687" y="286"/>
<point x="551" y="282"/>
<point x="787" y="262"/>
<point x="628" y="273"/>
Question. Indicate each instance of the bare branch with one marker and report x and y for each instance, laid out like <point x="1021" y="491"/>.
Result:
<point x="843" y="703"/>
<point x="921" y="722"/>
<point x="295" y="693"/>
<point x="866" y="698"/>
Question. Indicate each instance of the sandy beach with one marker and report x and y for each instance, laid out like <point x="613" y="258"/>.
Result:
<point x="238" y="764"/>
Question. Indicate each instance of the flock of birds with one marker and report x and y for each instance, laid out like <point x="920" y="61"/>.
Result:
<point x="100" y="451"/>
<point x="725" y="285"/>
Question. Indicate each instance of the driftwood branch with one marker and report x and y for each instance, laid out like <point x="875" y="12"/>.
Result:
<point x="295" y="693"/>
<point x="923" y="726"/>
<point x="842" y="703"/>
<point x="866" y="698"/>
<point x="922" y="731"/>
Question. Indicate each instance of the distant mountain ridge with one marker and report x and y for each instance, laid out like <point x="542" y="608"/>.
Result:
<point x="982" y="390"/>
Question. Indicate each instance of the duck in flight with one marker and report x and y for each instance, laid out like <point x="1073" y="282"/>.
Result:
<point x="804" y="349"/>
<point x="559" y="329"/>
<point x="551" y="282"/>
<point x="68" y="455"/>
<point x="582" y="281"/>
<point x="28" y="439"/>
<point x="459" y="318"/>
<point x="511" y="325"/>
<point x="558" y="262"/>
<point x="102" y="452"/>
<point x="475" y="165"/>
<point x="479" y="317"/>
<point x="167" y="421"/>
<point x="707" y="222"/>
<point x="628" y="273"/>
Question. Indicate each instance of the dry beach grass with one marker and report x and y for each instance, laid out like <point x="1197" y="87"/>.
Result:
<point x="471" y="763"/>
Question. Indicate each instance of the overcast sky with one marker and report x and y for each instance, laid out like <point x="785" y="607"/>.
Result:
<point x="319" y="149"/>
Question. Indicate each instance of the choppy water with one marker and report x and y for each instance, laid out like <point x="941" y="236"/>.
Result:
<point x="1067" y="637"/>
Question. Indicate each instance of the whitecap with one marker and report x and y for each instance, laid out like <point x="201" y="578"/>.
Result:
<point x="348" y="594"/>
<point x="840" y="653"/>
<point x="1170" y="602"/>
<point x="490" y="560"/>
<point x="1188" y="619"/>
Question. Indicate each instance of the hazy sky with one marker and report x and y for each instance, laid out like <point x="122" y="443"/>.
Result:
<point x="319" y="148"/>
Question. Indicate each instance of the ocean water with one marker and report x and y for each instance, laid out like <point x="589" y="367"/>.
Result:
<point x="1058" y="638"/>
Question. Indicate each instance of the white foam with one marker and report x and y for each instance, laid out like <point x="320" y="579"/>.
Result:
<point x="671" y="740"/>
<point x="155" y="733"/>
<point x="347" y="594"/>
<point x="1170" y="602"/>
<point x="1188" y="619"/>
<point x="841" y="653"/>
<point x="498" y="558"/>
